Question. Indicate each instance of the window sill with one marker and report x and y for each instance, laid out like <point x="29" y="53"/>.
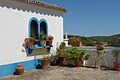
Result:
<point x="36" y="46"/>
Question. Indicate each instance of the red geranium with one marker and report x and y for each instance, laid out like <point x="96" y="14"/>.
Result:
<point x="50" y="37"/>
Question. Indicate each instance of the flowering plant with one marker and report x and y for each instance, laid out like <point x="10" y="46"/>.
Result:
<point x="50" y="37"/>
<point x="74" y="41"/>
<point x="100" y="46"/>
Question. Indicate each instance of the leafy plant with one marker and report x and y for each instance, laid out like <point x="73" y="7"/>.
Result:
<point x="62" y="45"/>
<point x="116" y="54"/>
<point x="32" y="39"/>
<point x="43" y="35"/>
<point x="73" y="53"/>
<point x="62" y="52"/>
<point x="87" y="55"/>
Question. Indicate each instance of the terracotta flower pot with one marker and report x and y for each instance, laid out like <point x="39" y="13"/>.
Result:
<point x="116" y="66"/>
<point x="19" y="69"/>
<point x="45" y="64"/>
<point x="63" y="61"/>
<point x="77" y="63"/>
<point x="49" y="43"/>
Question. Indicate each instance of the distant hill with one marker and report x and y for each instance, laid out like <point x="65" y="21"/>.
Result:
<point x="93" y="40"/>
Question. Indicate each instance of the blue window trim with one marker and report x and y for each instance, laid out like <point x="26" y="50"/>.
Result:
<point x="46" y="25"/>
<point x="29" y="25"/>
<point x="39" y="22"/>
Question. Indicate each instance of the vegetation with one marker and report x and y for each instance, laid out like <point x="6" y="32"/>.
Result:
<point x="73" y="53"/>
<point x="116" y="54"/>
<point x="92" y="41"/>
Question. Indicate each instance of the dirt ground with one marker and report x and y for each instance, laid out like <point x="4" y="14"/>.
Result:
<point x="66" y="73"/>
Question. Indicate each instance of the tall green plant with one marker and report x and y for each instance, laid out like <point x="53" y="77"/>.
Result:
<point x="116" y="54"/>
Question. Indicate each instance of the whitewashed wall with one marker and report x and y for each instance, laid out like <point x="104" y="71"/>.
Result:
<point x="14" y="29"/>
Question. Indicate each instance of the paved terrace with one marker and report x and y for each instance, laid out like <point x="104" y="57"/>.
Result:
<point x="66" y="73"/>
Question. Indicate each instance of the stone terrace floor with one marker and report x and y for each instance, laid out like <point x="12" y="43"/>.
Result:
<point x="66" y="73"/>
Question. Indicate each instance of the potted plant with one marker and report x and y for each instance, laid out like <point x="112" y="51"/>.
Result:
<point x="74" y="55"/>
<point x="43" y="38"/>
<point x="45" y="62"/>
<point x="62" y="57"/>
<point x="116" y="55"/>
<point x="29" y="45"/>
<point x="74" y="41"/>
<point x="86" y="56"/>
<point x="100" y="46"/>
<point x="50" y="40"/>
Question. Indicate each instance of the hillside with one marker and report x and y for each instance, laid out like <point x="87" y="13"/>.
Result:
<point x="91" y="41"/>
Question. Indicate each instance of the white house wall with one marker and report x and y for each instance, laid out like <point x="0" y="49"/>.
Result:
<point x="14" y="29"/>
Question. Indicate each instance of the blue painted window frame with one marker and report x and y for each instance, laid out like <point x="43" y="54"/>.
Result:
<point x="29" y="26"/>
<point x="39" y="22"/>
<point x="43" y="20"/>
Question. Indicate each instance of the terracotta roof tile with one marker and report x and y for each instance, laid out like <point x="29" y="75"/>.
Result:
<point x="47" y="5"/>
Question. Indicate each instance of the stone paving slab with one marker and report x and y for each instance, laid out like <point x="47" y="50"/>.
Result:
<point x="66" y="73"/>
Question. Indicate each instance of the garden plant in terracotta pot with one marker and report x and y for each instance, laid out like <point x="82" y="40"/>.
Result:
<point x="74" y="41"/>
<point x="74" y="55"/>
<point x="29" y="44"/>
<point x="62" y="55"/>
<point x="43" y="38"/>
<point x="50" y="40"/>
<point x="100" y="54"/>
<point x="86" y="56"/>
<point x="45" y="63"/>
<point x="116" y="55"/>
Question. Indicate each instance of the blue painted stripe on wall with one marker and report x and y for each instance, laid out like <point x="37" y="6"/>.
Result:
<point x="9" y="69"/>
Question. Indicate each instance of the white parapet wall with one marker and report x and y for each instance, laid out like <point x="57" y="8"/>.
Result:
<point x="109" y="58"/>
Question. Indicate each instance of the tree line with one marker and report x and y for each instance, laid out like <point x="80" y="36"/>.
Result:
<point x="93" y="40"/>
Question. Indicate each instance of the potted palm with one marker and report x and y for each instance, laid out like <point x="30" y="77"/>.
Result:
<point x="116" y="54"/>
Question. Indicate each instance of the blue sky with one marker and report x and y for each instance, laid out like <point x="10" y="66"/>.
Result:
<point x="90" y="17"/>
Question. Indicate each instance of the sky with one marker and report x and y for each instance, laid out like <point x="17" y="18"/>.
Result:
<point x="90" y="17"/>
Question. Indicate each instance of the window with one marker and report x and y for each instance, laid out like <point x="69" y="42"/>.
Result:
<point x="35" y="29"/>
<point x="43" y="26"/>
